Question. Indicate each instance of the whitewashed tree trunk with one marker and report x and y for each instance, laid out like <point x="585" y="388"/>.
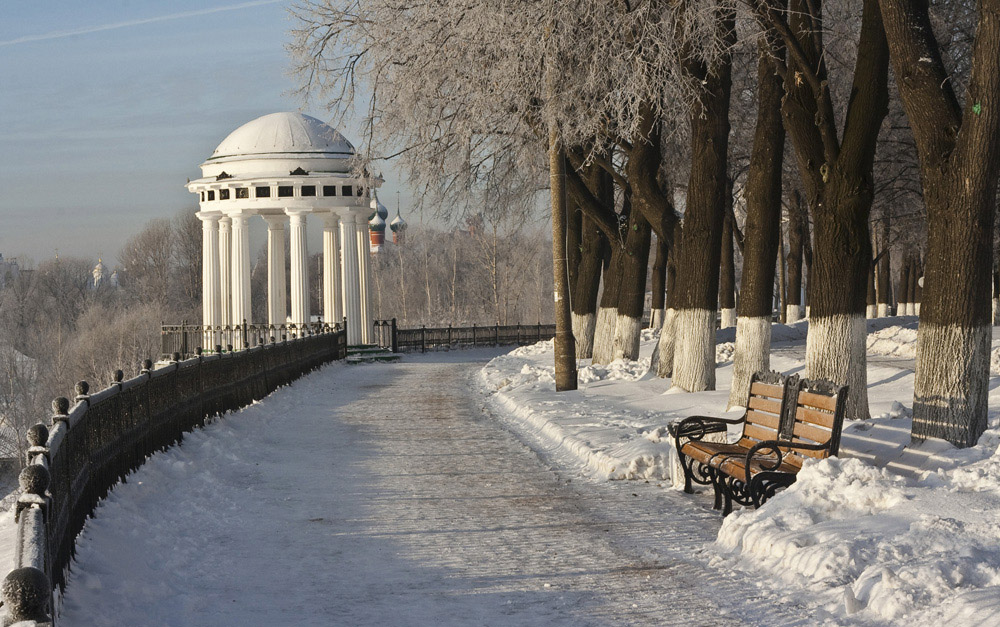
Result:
<point x="665" y="347"/>
<point x="728" y="318"/>
<point x="626" y="342"/>
<point x="656" y="319"/>
<point x="883" y="310"/>
<point x="793" y="313"/>
<point x="835" y="350"/>
<point x="952" y="353"/>
<point x="916" y="309"/>
<point x="604" y="334"/>
<point x="694" y="350"/>
<point x="871" y="311"/>
<point x="996" y="308"/>
<point x="753" y="345"/>
<point x="583" y="331"/>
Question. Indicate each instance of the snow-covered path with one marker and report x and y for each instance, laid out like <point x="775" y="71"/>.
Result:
<point x="382" y="495"/>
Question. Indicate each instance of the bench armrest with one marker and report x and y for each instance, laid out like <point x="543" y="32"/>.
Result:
<point x="697" y="427"/>
<point x="775" y="446"/>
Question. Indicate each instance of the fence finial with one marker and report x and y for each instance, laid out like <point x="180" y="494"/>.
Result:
<point x="147" y="365"/>
<point x="38" y="435"/>
<point x="60" y="409"/>
<point x="26" y="594"/>
<point x="119" y="376"/>
<point x="34" y="481"/>
<point x="82" y="389"/>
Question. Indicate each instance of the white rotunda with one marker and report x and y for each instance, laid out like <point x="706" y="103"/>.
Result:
<point x="284" y="167"/>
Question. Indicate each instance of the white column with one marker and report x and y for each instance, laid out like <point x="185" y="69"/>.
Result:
<point x="276" y="310"/>
<point x="364" y="248"/>
<point x="241" y="272"/>
<point x="300" y="266"/>
<point x="211" y="297"/>
<point x="333" y="309"/>
<point x="350" y="283"/>
<point x="225" y="272"/>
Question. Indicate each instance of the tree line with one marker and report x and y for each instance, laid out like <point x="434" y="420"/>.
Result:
<point x="865" y="127"/>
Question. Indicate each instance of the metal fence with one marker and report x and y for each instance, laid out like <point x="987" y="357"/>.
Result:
<point x="99" y="439"/>
<point x="388" y="335"/>
<point x="186" y="339"/>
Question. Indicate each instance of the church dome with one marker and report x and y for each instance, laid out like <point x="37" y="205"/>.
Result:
<point x="378" y="209"/>
<point x="282" y="136"/>
<point x="398" y="224"/>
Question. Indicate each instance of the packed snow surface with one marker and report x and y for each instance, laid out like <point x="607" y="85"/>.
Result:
<point x="886" y="533"/>
<point x="384" y="495"/>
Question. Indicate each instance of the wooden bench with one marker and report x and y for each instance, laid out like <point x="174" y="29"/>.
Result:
<point x="787" y="419"/>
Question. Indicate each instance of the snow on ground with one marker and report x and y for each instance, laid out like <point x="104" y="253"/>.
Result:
<point x="887" y="533"/>
<point x="384" y="495"/>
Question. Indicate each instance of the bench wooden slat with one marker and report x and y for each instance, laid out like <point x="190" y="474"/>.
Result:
<point x="759" y="433"/>
<point x="766" y="389"/>
<point x="798" y="451"/>
<point x="821" y="401"/>
<point x="815" y="417"/>
<point x="811" y="432"/>
<point x="767" y="420"/>
<point x="765" y="404"/>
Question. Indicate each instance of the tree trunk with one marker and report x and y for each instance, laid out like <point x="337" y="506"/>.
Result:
<point x="996" y="295"/>
<point x="904" y="286"/>
<point x="796" y="216"/>
<point x="727" y="272"/>
<point x="632" y="290"/>
<point x="915" y="274"/>
<point x="870" y="309"/>
<point x="883" y="282"/>
<point x="837" y="176"/>
<point x="959" y="163"/>
<point x="564" y="348"/>
<point x="607" y="312"/>
<point x="574" y="245"/>
<point x="663" y="358"/>
<point x="594" y="248"/>
<point x="698" y="275"/>
<point x="659" y="280"/>
<point x="762" y="229"/>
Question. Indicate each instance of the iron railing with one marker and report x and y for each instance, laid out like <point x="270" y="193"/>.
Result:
<point x="388" y="335"/>
<point x="99" y="439"/>
<point x="186" y="339"/>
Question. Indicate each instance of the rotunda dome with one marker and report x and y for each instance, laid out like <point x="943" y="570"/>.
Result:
<point x="281" y="136"/>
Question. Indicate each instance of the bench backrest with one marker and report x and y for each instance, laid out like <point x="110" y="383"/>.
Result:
<point x="807" y="411"/>
<point x="765" y="407"/>
<point x="816" y="417"/>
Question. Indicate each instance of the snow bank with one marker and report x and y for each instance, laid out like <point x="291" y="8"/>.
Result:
<point x="864" y="540"/>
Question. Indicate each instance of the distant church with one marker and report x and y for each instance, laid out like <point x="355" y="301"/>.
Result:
<point x="376" y="226"/>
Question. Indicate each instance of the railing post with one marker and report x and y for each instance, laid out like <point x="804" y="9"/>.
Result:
<point x="538" y="332"/>
<point x="518" y="333"/>
<point x="449" y="335"/>
<point x="423" y="338"/>
<point x="184" y="338"/>
<point x="246" y="343"/>
<point x="473" y="335"/>
<point x="393" y="338"/>
<point x="496" y="335"/>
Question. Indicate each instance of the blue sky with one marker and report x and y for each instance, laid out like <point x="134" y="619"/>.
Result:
<point x="106" y="108"/>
